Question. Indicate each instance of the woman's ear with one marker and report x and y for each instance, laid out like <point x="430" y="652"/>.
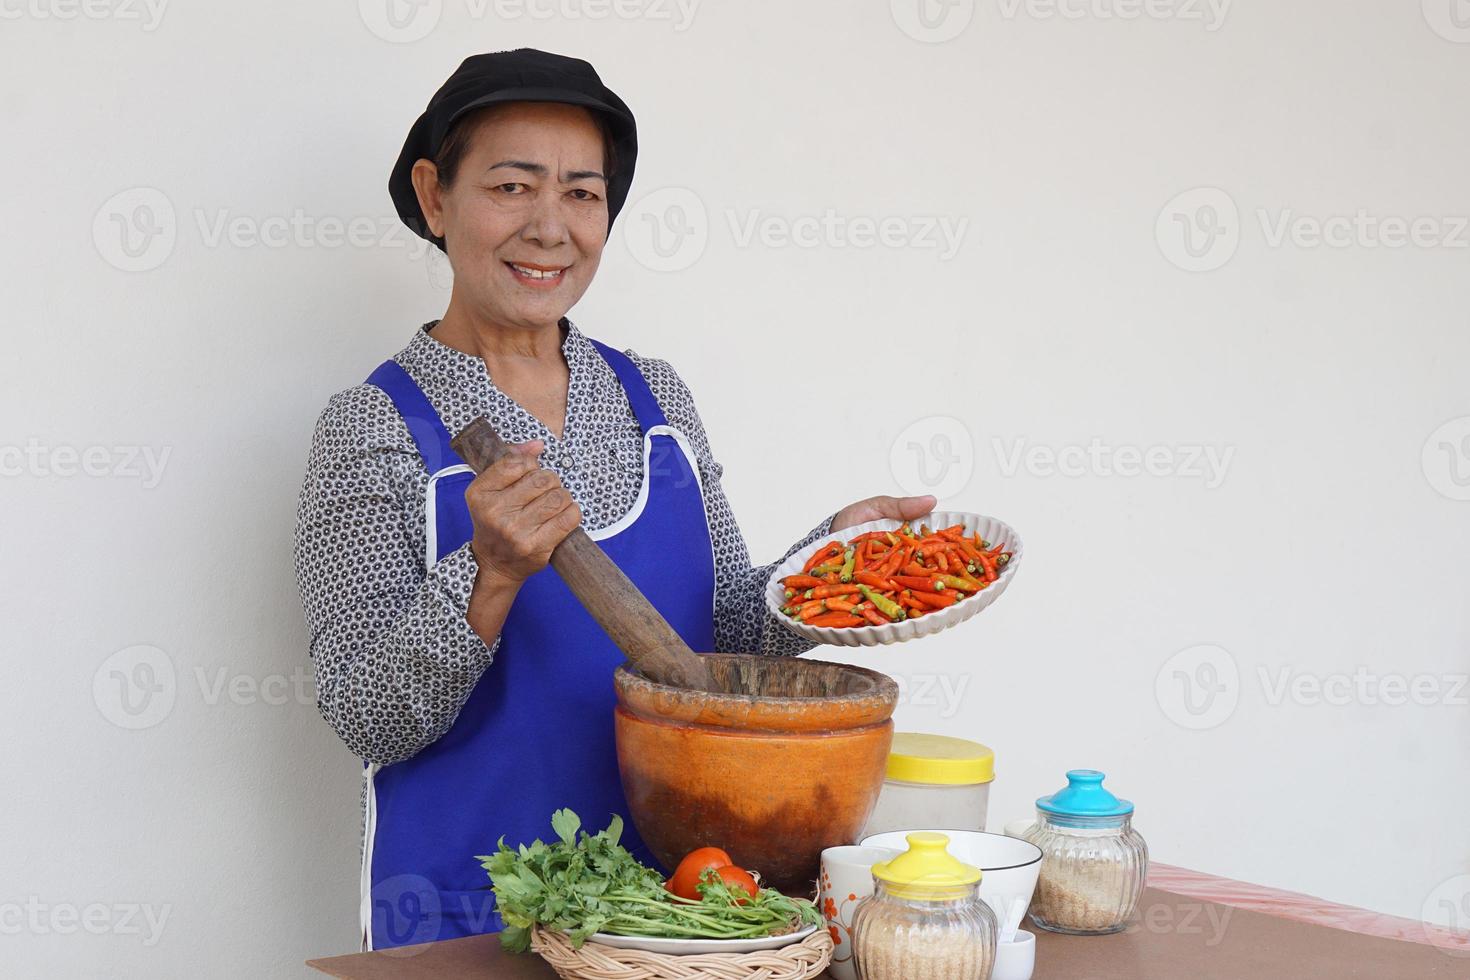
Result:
<point x="431" y="202"/>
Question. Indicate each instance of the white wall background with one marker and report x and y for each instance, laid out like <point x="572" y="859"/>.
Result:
<point x="1332" y="545"/>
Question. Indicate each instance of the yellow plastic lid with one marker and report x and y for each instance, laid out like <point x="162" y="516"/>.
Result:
<point x="939" y="759"/>
<point x="926" y="868"/>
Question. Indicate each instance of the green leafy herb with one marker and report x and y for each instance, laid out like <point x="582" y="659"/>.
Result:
<point x="585" y="883"/>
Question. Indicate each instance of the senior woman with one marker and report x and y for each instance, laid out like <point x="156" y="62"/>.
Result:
<point x="448" y="656"/>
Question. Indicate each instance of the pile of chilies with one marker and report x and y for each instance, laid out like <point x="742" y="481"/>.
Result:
<point x="883" y="577"/>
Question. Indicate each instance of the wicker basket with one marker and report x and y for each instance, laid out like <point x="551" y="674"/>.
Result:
<point x="594" y="961"/>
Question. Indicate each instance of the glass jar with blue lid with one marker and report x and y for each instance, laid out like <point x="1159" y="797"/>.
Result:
<point x="1093" y="862"/>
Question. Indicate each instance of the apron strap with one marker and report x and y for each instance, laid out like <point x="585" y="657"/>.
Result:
<point x="640" y="396"/>
<point x="424" y="424"/>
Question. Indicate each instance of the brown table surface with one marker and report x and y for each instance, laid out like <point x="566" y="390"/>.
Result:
<point x="1173" y="937"/>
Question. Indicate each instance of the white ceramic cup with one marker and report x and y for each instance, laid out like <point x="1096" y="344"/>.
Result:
<point x="1015" y="960"/>
<point x="846" y="879"/>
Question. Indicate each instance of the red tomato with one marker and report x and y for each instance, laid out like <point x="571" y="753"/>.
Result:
<point x="737" y="879"/>
<point x="686" y="875"/>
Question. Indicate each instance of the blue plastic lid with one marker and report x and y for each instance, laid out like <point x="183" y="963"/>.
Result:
<point x="1084" y="797"/>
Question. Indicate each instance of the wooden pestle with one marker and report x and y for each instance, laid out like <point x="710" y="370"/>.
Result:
<point x="639" y="630"/>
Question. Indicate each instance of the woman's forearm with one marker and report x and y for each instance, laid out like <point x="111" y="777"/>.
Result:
<point x="490" y="603"/>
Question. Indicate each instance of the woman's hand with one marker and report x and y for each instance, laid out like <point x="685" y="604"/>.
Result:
<point x="520" y="512"/>
<point x="877" y="508"/>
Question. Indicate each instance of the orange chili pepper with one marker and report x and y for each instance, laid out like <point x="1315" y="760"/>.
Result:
<point x="899" y="558"/>
<point x="821" y="555"/>
<point x="870" y="536"/>
<point x="879" y="582"/>
<point x="923" y="582"/>
<point x="836" y="619"/>
<point x="828" y="591"/>
<point x="936" y="600"/>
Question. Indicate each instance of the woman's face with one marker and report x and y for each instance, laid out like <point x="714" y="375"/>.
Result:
<point x="525" y="218"/>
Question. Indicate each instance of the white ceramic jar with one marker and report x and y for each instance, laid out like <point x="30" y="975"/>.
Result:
<point x="934" y="781"/>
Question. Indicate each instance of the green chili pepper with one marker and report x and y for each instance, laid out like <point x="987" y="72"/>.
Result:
<point x="821" y="570"/>
<point x="848" y="561"/>
<point x="883" y="604"/>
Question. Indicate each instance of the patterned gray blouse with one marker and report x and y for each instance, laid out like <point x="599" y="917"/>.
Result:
<point x="395" y="658"/>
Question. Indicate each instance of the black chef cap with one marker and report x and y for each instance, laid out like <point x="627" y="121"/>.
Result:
<point x="522" y="75"/>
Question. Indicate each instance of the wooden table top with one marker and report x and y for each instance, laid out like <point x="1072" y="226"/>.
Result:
<point x="1172" y="936"/>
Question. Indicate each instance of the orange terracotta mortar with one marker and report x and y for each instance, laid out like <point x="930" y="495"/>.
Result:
<point x="785" y="758"/>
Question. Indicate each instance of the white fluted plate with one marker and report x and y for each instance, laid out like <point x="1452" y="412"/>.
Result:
<point x="991" y="529"/>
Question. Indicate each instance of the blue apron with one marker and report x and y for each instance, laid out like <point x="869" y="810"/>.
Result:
<point x="537" y="731"/>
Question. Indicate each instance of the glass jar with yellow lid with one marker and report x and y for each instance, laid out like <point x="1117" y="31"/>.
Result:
<point x="933" y="781"/>
<point x="925" y="919"/>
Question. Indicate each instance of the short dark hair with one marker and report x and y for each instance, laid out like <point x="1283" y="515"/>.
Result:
<point x="457" y="143"/>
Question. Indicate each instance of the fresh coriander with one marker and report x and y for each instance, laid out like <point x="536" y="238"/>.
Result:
<point x="587" y="884"/>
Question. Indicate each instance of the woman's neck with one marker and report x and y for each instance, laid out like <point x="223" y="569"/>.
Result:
<point x="524" y="362"/>
<point x="496" y="342"/>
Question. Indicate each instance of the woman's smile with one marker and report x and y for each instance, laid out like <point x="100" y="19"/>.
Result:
<point x="537" y="276"/>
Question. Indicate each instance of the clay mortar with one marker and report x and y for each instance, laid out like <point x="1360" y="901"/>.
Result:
<point x="782" y="758"/>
